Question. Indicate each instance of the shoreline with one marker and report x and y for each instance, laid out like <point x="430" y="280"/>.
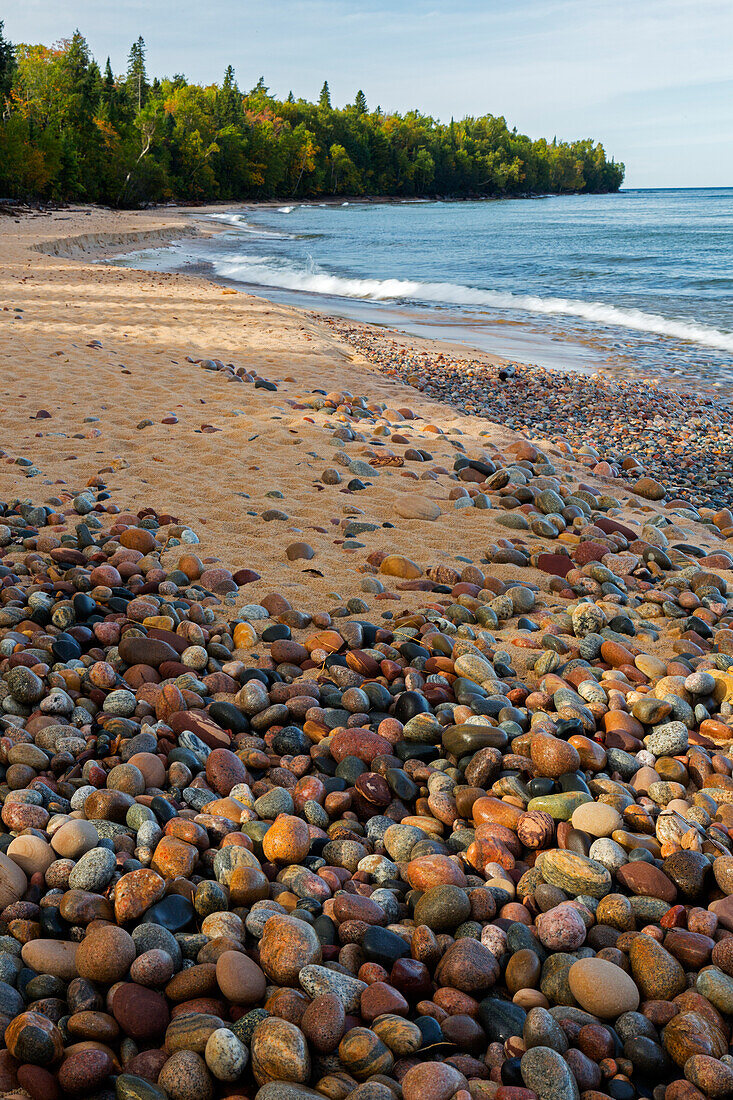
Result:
<point x="327" y="703"/>
<point x="603" y="350"/>
<point x="154" y="342"/>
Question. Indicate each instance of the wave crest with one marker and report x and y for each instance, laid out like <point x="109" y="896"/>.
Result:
<point x="267" y="271"/>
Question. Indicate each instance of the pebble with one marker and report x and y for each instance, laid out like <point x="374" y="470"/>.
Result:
<point x="225" y="1056"/>
<point x="548" y="1074"/>
<point x="602" y="988"/>
<point x="397" y="849"/>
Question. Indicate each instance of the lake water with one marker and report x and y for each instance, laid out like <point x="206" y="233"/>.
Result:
<point x="638" y="282"/>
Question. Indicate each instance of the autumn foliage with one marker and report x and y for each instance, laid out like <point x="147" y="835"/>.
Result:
<point x="69" y="130"/>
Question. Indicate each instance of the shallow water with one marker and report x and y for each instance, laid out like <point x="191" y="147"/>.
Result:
<point x="639" y="281"/>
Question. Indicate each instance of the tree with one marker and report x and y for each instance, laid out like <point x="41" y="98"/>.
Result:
<point x="229" y="99"/>
<point x="344" y="176"/>
<point x="306" y="154"/>
<point x="69" y="131"/>
<point x="7" y="67"/>
<point x="137" y="80"/>
<point x="146" y="124"/>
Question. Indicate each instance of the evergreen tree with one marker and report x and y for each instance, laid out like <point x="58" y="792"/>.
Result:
<point x="360" y="102"/>
<point x="229" y="99"/>
<point x="137" y="80"/>
<point x="324" y="100"/>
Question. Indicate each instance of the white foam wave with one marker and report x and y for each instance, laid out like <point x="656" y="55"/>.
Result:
<point x="285" y="209"/>
<point x="267" y="271"/>
<point x="239" y="221"/>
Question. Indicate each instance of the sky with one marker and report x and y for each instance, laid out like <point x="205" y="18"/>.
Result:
<point x="651" y="79"/>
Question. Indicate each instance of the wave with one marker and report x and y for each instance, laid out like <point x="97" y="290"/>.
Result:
<point x="285" y="209"/>
<point x="268" y="271"/>
<point x="239" y="221"/>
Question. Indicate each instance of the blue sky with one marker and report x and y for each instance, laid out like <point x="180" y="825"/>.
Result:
<point x="652" y="79"/>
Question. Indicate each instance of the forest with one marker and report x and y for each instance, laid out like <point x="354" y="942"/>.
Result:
<point x="72" y="131"/>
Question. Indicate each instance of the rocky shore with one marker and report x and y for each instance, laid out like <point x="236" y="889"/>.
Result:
<point x="371" y="789"/>
<point x="632" y="429"/>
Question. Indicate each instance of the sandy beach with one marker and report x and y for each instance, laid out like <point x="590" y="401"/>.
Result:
<point x="425" y="741"/>
<point x="103" y="349"/>
<point x="148" y="328"/>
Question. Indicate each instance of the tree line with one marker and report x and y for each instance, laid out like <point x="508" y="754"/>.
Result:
<point x="72" y="131"/>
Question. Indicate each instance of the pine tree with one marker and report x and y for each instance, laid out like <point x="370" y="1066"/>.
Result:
<point x="324" y="100"/>
<point x="229" y="99"/>
<point x="360" y="102"/>
<point x="77" y="57"/>
<point x="137" y="80"/>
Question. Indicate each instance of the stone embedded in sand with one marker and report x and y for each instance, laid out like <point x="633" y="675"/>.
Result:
<point x="648" y="488"/>
<point x="411" y="506"/>
<point x="557" y="564"/>
<point x="394" y="565"/>
<point x="299" y="550"/>
<point x="137" y="538"/>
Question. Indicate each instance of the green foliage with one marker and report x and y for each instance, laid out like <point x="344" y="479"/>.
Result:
<point x="69" y="131"/>
<point x="137" y="79"/>
<point x="324" y="99"/>
<point x="7" y="68"/>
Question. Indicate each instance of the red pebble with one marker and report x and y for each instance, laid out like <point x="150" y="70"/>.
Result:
<point x="676" y="917"/>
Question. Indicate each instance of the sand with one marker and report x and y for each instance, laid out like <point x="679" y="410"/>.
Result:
<point x="102" y="348"/>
